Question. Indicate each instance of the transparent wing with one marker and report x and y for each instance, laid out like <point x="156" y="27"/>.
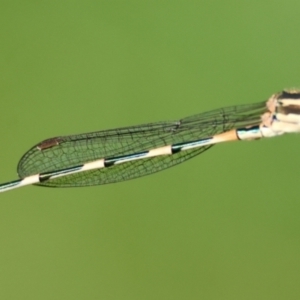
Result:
<point x="68" y="151"/>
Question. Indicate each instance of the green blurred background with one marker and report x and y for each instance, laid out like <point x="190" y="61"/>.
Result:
<point x="224" y="225"/>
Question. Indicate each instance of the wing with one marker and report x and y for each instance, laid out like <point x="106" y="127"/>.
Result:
<point x="68" y="151"/>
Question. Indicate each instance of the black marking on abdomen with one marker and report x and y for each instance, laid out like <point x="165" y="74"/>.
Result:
<point x="179" y="147"/>
<point x="47" y="175"/>
<point x="109" y="162"/>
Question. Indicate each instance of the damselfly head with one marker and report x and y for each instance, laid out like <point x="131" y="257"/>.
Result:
<point x="288" y="102"/>
<point x="288" y="97"/>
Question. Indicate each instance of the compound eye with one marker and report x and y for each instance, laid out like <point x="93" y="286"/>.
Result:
<point x="290" y="94"/>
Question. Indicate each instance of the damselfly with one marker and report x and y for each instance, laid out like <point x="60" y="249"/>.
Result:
<point x="125" y="153"/>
